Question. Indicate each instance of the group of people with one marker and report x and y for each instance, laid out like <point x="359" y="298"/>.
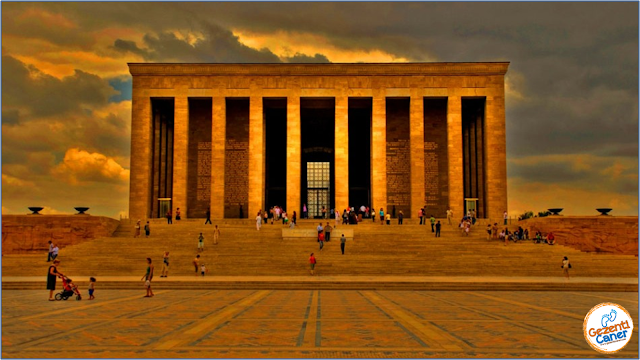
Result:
<point x="276" y="214"/>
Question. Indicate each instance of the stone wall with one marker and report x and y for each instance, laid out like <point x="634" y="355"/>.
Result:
<point x="398" y="158"/>
<point x="612" y="234"/>
<point x="436" y="179"/>
<point x="199" y="176"/>
<point x="236" y="162"/>
<point x="29" y="233"/>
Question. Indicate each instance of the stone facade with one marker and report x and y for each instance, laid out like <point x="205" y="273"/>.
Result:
<point x="431" y="139"/>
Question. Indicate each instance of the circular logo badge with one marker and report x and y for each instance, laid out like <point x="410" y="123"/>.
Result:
<point x="608" y="328"/>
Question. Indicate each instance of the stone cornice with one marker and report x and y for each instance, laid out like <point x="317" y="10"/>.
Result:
<point x="332" y="69"/>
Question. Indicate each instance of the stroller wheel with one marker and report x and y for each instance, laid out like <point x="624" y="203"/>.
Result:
<point x="58" y="296"/>
<point x="65" y="297"/>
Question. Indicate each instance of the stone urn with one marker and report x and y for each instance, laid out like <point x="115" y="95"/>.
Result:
<point x="35" y="210"/>
<point x="81" y="210"/>
<point x="555" y="211"/>
<point x="604" y="211"/>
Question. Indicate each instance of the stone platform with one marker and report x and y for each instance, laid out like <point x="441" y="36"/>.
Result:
<point x="304" y="324"/>
<point x="332" y="282"/>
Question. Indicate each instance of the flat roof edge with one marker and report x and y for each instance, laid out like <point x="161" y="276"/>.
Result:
<point x="290" y="69"/>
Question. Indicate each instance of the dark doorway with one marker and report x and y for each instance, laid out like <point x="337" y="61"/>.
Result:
<point x="162" y="110"/>
<point x="398" y="157"/>
<point x="199" y="167"/>
<point x="473" y="163"/>
<point x="317" y="118"/>
<point x="360" y="151"/>
<point x="275" y="120"/>
<point x="236" y="159"/>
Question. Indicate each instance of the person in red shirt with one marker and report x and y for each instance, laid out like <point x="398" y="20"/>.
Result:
<point x="312" y="262"/>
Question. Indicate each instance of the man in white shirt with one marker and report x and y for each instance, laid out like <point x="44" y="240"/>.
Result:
<point x="505" y="217"/>
<point x="54" y="252"/>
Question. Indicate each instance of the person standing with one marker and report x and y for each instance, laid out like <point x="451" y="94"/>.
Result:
<point x="438" y="226"/>
<point x="137" y="233"/>
<point x="505" y="217"/>
<point x="488" y="231"/>
<point x="216" y="235"/>
<point x="343" y="242"/>
<point x="312" y="263"/>
<point x="165" y="264"/>
<point x="294" y="218"/>
<point x="327" y="232"/>
<point x="196" y="263"/>
<point x="148" y="277"/>
<point x="178" y="214"/>
<point x="381" y="216"/>
<point x="258" y="221"/>
<point x="320" y="229"/>
<point x="420" y="215"/>
<point x="200" y="242"/>
<point x="433" y="222"/>
<point x="305" y="214"/>
<point x="147" y="229"/>
<point x="494" y="231"/>
<point x="208" y="213"/>
<point x="449" y="216"/>
<point x="50" y="251"/>
<point x="337" y="215"/>
<point x="321" y="240"/>
<point x="400" y="217"/>
<point x="388" y="218"/>
<point x="473" y="217"/>
<point x="169" y="217"/>
<point x="52" y="274"/>
<point x="241" y="212"/>
<point x="565" y="268"/>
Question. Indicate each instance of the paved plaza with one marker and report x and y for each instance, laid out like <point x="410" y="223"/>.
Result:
<point x="304" y="323"/>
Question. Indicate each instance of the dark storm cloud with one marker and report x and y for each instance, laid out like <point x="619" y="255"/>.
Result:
<point x="26" y="87"/>
<point x="302" y="58"/>
<point x="10" y="117"/>
<point x="218" y="45"/>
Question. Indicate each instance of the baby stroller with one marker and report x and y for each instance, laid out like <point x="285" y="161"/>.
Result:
<point x="68" y="289"/>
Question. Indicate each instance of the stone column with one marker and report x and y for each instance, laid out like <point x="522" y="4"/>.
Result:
<point x="256" y="155"/>
<point x="218" y="141"/>
<point x="341" y="146"/>
<point x="496" y="158"/>
<point x="379" y="151"/>
<point x="293" y="154"/>
<point x="416" y="156"/>
<point x="180" y="155"/>
<point x="454" y="147"/>
<point x="140" y="165"/>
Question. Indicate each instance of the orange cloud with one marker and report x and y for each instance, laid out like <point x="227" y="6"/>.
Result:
<point x="81" y="166"/>
<point x="287" y="44"/>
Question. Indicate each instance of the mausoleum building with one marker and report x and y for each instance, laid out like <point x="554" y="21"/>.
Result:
<point x="393" y="136"/>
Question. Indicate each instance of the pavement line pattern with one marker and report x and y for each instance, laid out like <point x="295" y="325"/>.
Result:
<point x="96" y="304"/>
<point x="303" y="329"/>
<point x="608" y="299"/>
<point x="310" y="332"/>
<point x="212" y="321"/>
<point x="430" y="335"/>
<point x="525" y="305"/>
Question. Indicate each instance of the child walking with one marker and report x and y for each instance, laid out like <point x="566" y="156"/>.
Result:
<point x="92" y="287"/>
<point x="200" y="242"/>
<point x="203" y="269"/>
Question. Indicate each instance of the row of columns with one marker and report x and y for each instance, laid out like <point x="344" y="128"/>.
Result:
<point x="495" y="153"/>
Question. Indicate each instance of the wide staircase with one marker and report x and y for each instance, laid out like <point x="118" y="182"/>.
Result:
<point x="376" y="250"/>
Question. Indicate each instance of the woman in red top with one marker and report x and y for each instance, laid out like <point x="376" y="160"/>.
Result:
<point x="312" y="262"/>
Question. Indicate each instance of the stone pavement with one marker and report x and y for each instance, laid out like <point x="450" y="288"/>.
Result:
<point x="304" y="323"/>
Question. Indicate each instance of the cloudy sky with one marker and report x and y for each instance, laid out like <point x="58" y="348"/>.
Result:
<point x="572" y="86"/>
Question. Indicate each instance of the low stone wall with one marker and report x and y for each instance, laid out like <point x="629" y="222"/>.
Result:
<point x="29" y="233"/>
<point x="612" y="234"/>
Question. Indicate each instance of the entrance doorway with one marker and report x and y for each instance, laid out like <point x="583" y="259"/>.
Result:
<point x="470" y="204"/>
<point x="317" y="120"/>
<point x="318" y="188"/>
